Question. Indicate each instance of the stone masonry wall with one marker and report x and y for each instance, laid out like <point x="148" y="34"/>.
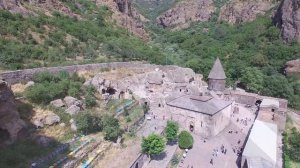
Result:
<point x="13" y="77"/>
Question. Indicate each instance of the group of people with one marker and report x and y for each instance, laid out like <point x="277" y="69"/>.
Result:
<point x="216" y="153"/>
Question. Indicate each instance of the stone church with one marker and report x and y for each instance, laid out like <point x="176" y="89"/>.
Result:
<point x="204" y="115"/>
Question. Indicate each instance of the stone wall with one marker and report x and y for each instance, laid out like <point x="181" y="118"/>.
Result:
<point x="204" y="125"/>
<point x="139" y="162"/>
<point x="13" y="77"/>
<point x="251" y="98"/>
<point x="216" y="84"/>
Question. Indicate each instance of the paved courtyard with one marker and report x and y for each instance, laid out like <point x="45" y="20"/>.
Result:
<point x="208" y="154"/>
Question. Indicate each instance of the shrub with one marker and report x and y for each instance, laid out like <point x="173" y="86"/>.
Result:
<point x="185" y="140"/>
<point x="90" y="101"/>
<point x="87" y="122"/>
<point x="171" y="130"/>
<point x="111" y="128"/>
<point x="53" y="86"/>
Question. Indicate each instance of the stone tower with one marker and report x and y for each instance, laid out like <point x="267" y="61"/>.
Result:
<point x="216" y="77"/>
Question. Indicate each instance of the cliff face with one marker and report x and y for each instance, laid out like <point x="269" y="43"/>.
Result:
<point x="17" y="6"/>
<point x="185" y="12"/>
<point x="122" y="12"/>
<point x="243" y="11"/>
<point x="11" y="126"/>
<point x="288" y="19"/>
<point x="126" y="16"/>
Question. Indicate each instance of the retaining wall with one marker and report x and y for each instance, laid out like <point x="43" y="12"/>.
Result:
<point x="13" y="77"/>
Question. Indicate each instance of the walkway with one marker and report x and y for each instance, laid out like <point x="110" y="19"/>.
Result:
<point x="202" y="152"/>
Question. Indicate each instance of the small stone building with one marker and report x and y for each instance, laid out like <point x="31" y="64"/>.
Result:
<point x="217" y="77"/>
<point x="203" y="115"/>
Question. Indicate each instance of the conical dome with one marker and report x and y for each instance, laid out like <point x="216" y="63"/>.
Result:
<point x="217" y="71"/>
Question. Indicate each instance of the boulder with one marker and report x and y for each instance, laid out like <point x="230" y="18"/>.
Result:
<point x="72" y="110"/>
<point x="62" y="124"/>
<point x="38" y="123"/>
<point x="73" y="126"/>
<point x="29" y="84"/>
<point x="72" y="101"/>
<point x="293" y="66"/>
<point x="57" y="103"/>
<point x="45" y="119"/>
<point x="51" y="118"/>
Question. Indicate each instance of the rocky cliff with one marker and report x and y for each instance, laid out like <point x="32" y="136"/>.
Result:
<point x="45" y="6"/>
<point x="185" y="12"/>
<point x="122" y="11"/>
<point x="288" y="19"/>
<point x="243" y="11"/>
<point x="11" y="126"/>
<point x="126" y="16"/>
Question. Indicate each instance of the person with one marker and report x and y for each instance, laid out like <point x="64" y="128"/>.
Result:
<point x="211" y="161"/>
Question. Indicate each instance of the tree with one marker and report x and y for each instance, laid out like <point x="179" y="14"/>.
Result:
<point x="111" y="127"/>
<point x="277" y="86"/>
<point x="171" y="130"/>
<point x="87" y="122"/>
<point x="252" y="79"/>
<point x="154" y="144"/>
<point x="185" y="140"/>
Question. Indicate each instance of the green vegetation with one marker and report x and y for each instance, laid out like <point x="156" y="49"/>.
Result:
<point x="291" y="139"/>
<point x="19" y="154"/>
<point x="90" y="98"/>
<point x="36" y="41"/>
<point x="111" y="128"/>
<point x="171" y="130"/>
<point x="88" y="122"/>
<point x="49" y="87"/>
<point x="152" y="9"/>
<point x="154" y="144"/>
<point x="185" y="140"/>
<point x="251" y="53"/>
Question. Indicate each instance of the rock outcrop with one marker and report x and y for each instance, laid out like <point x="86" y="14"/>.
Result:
<point x="243" y="11"/>
<point x="45" y="119"/>
<point x="126" y="16"/>
<point x="17" y="6"/>
<point x="185" y="12"/>
<point x="288" y="20"/>
<point x="293" y="66"/>
<point x="11" y="126"/>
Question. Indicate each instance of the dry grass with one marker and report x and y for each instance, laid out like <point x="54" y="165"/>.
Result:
<point x="56" y="132"/>
<point x="86" y="74"/>
<point x="18" y="88"/>
<point x="125" y="155"/>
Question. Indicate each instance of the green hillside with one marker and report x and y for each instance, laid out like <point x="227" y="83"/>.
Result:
<point x="28" y="42"/>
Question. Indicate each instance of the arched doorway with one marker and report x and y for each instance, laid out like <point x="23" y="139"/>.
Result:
<point x="4" y="136"/>
<point x="192" y="127"/>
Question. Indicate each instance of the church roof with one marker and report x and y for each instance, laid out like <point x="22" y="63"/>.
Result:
<point x="217" y="71"/>
<point x="200" y="104"/>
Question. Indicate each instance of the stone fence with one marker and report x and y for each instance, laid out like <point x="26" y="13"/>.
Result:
<point x="13" y="77"/>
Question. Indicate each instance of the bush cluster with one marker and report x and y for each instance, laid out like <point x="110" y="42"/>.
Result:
<point x="88" y="122"/>
<point x="53" y="86"/>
